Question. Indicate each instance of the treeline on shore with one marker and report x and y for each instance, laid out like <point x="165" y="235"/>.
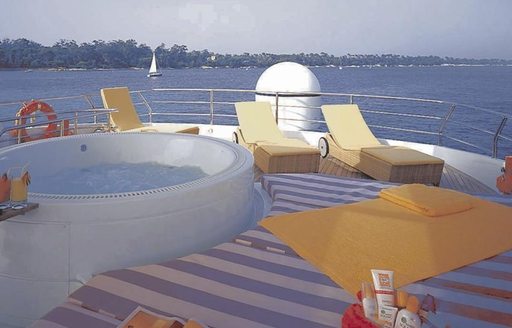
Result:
<point x="98" y="54"/>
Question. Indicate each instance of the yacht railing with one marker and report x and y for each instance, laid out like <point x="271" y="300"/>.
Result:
<point x="442" y="122"/>
<point x="443" y="116"/>
<point x="14" y="128"/>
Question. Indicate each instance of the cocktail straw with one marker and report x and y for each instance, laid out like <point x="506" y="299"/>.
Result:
<point x="24" y="168"/>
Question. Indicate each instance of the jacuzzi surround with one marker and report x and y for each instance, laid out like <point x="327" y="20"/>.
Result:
<point x="50" y="251"/>
<point x="85" y="148"/>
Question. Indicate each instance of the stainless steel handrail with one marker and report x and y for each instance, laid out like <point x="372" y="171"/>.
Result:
<point x="80" y="114"/>
<point x="217" y="98"/>
<point x="354" y="95"/>
<point x="496" y="137"/>
<point x="441" y="131"/>
<point x="146" y="103"/>
<point x="20" y="102"/>
<point x="442" y="127"/>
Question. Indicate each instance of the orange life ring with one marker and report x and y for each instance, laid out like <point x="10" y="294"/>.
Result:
<point x="30" y="108"/>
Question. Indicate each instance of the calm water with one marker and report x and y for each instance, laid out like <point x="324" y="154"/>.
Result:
<point x="115" y="178"/>
<point x="486" y="87"/>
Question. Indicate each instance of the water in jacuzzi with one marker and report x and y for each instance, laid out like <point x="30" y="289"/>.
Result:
<point x="114" y="178"/>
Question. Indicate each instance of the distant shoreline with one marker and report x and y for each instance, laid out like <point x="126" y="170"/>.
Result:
<point x="73" y="69"/>
<point x="119" y="54"/>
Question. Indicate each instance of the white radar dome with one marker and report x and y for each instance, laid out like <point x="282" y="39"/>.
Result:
<point x="296" y="87"/>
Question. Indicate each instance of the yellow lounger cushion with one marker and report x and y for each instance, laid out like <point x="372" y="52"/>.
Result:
<point x="347" y="127"/>
<point x="430" y="201"/>
<point x="346" y="242"/>
<point x="126" y="117"/>
<point x="288" y="147"/>
<point x="401" y="156"/>
<point x="258" y="122"/>
<point x="168" y="128"/>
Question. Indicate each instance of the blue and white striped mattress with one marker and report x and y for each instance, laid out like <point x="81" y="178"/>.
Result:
<point x="257" y="281"/>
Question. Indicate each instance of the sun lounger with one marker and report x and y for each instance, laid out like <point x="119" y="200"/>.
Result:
<point x="126" y="118"/>
<point x="273" y="152"/>
<point x="351" y="141"/>
<point x="258" y="281"/>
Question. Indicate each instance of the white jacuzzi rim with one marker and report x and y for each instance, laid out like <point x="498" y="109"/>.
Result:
<point x="243" y="159"/>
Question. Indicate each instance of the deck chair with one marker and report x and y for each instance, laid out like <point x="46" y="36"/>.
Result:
<point x="351" y="141"/>
<point x="273" y="152"/>
<point x="126" y="118"/>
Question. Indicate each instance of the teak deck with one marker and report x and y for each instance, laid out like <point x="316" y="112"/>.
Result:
<point x="451" y="178"/>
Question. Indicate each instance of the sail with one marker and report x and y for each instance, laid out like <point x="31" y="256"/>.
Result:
<point x="153" y="69"/>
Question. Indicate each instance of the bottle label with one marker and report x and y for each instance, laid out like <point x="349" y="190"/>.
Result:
<point x="404" y="322"/>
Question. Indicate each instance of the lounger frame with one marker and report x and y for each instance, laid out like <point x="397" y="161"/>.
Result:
<point x="291" y="160"/>
<point x="384" y="171"/>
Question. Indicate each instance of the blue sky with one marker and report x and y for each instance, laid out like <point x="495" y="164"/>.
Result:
<point x="457" y="28"/>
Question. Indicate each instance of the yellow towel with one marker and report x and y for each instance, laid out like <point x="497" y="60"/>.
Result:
<point x="141" y="317"/>
<point x="193" y="323"/>
<point x="346" y="242"/>
<point x="430" y="201"/>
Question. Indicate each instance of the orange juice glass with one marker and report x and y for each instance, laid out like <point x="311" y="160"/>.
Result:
<point x="18" y="191"/>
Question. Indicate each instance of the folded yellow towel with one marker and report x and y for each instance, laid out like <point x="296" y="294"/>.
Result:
<point x="430" y="201"/>
<point x="346" y="242"/>
<point x="142" y="317"/>
<point x="193" y="323"/>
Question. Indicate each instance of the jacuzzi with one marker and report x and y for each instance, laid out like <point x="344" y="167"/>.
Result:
<point x="50" y="251"/>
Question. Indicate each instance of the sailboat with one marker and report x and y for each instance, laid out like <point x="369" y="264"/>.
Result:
<point x="153" y="71"/>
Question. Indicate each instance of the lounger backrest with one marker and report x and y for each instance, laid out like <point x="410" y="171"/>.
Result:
<point x="126" y="117"/>
<point x="348" y="127"/>
<point x="257" y="122"/>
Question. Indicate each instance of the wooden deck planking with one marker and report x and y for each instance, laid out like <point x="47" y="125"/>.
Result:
<point x="457" y="180"/>
<point x="451" y="178"/>
<point x="334" y="166"/>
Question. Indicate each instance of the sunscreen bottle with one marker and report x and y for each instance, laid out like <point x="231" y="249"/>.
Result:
<point x="384" y="290"/>
<point x="387" y="315"/>
<point x="408" y="317"/>
<point x="369" y="301"/>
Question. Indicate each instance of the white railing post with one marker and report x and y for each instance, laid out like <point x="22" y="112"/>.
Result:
<point x="211" y="106"/>
<point x="443" y="124"/>
<point x="497" y="137"/>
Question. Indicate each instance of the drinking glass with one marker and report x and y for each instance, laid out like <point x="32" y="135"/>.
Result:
<point x="18" y="192"/>
<point x="19" y="181"/>
<point x="5" y="192"/>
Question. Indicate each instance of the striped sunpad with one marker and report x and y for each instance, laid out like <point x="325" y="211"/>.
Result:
<point x="257" y="281"/>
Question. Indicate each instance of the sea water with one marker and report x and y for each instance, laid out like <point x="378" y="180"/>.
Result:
<point x="486" y="87"/>
<point x="114" y="178"/>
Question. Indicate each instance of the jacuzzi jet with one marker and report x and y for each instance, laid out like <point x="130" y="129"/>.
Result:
<point x="83" y="147"/>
